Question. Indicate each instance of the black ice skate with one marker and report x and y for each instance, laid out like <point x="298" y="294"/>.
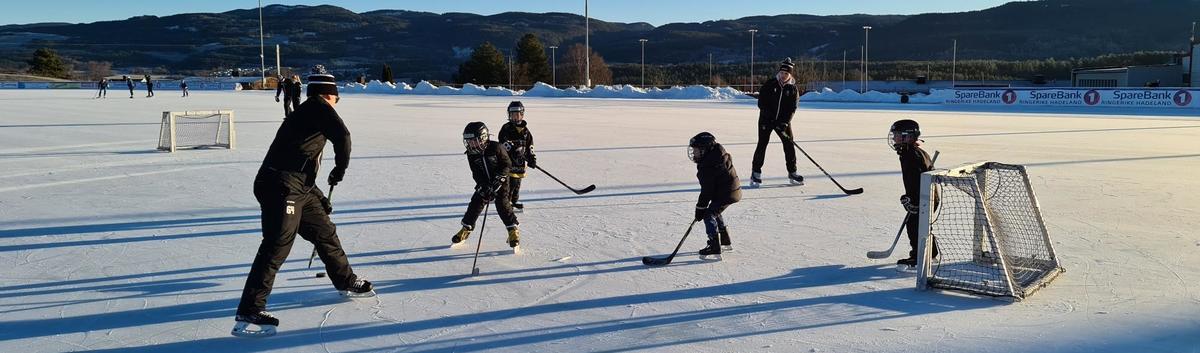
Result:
<point x="361" y="288"/>
<point x="265" y="322"/>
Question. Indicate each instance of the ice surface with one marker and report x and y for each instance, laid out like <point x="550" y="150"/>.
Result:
<point x="111" y="246"/>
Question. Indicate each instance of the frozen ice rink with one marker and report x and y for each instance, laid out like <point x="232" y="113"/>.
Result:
<point x="111" y="246"/>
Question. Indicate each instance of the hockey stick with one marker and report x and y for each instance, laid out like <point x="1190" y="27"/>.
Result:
<point x="314" y="254"/>
<point x="475" y="269"/>
<point x="888" y="253"/>
<point x="663" y="261"/>
<point x="814" y="162"/>
<point x="588" y="189"/>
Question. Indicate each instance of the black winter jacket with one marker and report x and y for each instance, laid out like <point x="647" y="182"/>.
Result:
<point x="301" y="139"/>
<point x="289" y="88"/>
<point x="497" y="169"/>
<point x="913" y="162"/>
<point x="519" y="142"/>
<point x="718" y="179"/>
<point x="776" y="103"/>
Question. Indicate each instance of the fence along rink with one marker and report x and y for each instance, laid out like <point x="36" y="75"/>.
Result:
<point x="989" y="232"/>
<point x="197" y="129"/>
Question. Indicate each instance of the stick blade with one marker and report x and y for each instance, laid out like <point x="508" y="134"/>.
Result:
<point x="588" y="189"/>
<point x="878" y="254"/>
<point x="654" y="261"/>
<point x="854" y="192"/>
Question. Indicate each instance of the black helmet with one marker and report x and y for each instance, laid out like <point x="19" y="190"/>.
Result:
<point x="903" y="133"/>
<point x="516" y="107"/>
<point x="475" y="135"/>
<point x="699" y="145"/>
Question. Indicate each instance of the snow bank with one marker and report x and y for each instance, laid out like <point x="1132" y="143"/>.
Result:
<point x="829" y="95"/>
<point x="544" y="90"/>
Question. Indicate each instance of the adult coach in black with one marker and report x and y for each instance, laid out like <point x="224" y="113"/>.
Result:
<point x="291" y="201"/>
<point x="776" y="105"/>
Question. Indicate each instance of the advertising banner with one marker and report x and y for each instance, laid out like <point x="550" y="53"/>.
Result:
<point x="1072" y="97"/>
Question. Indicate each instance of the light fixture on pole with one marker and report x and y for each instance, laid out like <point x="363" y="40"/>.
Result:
<point x="866" y="58"/>
<point x="643" y="40"/>
<point x="752" y="33"/>
<point x="554" y="65"/>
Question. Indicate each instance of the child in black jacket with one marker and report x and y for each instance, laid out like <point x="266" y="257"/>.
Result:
<point x="719" y="188"/>
<point x="904" y="136"/>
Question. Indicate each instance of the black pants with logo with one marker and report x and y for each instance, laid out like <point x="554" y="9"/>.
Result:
<point x="289" y="207"/>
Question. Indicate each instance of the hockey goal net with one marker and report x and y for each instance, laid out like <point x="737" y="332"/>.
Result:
<point x="988" y="230"/>
<point x="196" y="129"/>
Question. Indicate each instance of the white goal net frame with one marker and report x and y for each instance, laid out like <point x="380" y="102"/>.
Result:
<point x="987" y="226"/>
<point x="197" y="129"/>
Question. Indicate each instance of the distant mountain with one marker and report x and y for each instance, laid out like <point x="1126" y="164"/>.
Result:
<point x="428" y="45"/>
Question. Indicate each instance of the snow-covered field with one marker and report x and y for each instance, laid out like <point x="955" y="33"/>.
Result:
<point x="110" y="246"/>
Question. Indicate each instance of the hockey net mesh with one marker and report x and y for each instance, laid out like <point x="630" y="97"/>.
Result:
<point x="988" y="231"/>
<point x="196" y="130"/>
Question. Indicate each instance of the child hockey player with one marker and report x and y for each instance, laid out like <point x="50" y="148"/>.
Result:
<point x="719" y="188"/>
<point x="904" y="137"/>
<point x="518" y="142"/>
<point x="490" y="167"/>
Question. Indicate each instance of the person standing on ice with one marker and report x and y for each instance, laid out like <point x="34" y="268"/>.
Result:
<point x="103" y="85"/>
<point x="129" y="82"/>
<point x="291" y="202"/>
<point x="518" y="142"/>
<point x="719" y="188"/>
<point x="776" y="105"/>
<point x="490" y="167"/>
<point x="290" y="88"/>
<point x="904" y="137"/>
<point x="183" y="87"/>
<point x="149" y="87"/>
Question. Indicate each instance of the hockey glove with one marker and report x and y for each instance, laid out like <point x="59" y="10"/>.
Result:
<point x="276" y="99"/>
<point x="336" y="175"/>
<point x="782" y="127"/>
<point x="701" y="213"/>
<point x="908" y="205"/>
<point x="532" y="162"/>
<point x="327" y="205"/>
<point x="486" y="193"/>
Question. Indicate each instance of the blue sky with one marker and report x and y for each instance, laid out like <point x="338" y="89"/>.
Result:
<point x="656" y="12"/>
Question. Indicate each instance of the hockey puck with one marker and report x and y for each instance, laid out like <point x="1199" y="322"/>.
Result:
<point x="320" y="274"/>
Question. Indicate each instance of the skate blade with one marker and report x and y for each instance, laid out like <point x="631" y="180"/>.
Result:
<point x="353" y="295"/>
<point x="726" y="248"/>
<point x="516" y="250"/>
<point x="713" y="257"/>
<point x="242" y="329"/>
<point x="906" y="269"/>
<point x="457" y="245"/>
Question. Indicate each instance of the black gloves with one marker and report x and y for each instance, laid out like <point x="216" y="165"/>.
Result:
<point x="336" y="175"/>
<point x="782" y="127"/>
<point x="532" y="161"/>
<point x="487" y="193"/>
<point x="328" y="206"/>
<point x="701" y="213"/>
<point x="908" y="205"/>
<point x="276" y="99"/>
